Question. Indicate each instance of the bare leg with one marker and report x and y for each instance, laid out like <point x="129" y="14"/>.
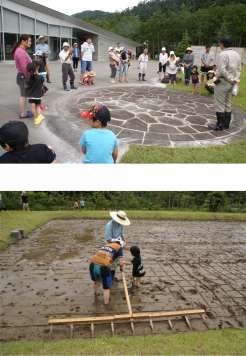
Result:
<point x="159" y="75"/>
<point x="106" y="296"/>
<point x="95" y="286"/>
<point x="22" y="103"/>
<point x="198" y="86"/>
<point x="133" y="280"/>
<point x="33" y="111"/>
<point x="164" y="73"/>
<point x="170" y="81"/>
<point x="202" y="79"/>
<point x="174" y="82"/>
<point x="194" y="85"/>
<point x="38" y="108"/>
<point x="126" y="78"/>
<point x="7" y="213"/>
<point x="138" y="281"/>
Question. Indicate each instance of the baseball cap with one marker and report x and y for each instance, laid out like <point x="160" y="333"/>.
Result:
<point x="14" y="131"/>
<point x="99" y="112"/>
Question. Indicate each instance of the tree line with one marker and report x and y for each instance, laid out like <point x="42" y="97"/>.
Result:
<point x="164" y="22"/>
<point x="176" y="200"/>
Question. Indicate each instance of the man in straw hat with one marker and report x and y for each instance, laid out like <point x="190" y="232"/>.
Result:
<point x="67" y="69"/>
<point x="114" y="232"/>
<point x="44" y="48"/>
<point x="188" y="61"/>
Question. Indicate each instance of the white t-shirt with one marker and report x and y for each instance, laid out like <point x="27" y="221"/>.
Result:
<point x="63" y="54"/>
<point x="87" y="50"/>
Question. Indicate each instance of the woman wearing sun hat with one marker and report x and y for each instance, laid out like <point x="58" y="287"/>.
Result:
<point x="188" y="61"/>
<point x="114" y="232"/>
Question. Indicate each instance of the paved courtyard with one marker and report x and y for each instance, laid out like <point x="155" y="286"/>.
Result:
<point x="144" y="113"/>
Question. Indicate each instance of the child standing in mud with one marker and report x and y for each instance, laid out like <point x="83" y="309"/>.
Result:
<point x="137" y="268"/>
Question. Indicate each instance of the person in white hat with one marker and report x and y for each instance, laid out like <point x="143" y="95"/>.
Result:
<point x="114" y="232"/>
<point x="162" y="62"/>
<point x="113" y="61"/>
<point x="45" y="49"/>
<point x="67" y="69"/>
<point x="142" y="60"/>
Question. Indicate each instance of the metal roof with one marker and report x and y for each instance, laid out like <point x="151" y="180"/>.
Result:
<point x="74" y="21"/>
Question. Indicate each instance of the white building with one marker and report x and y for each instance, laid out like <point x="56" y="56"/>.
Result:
<point x="26" y="17"/>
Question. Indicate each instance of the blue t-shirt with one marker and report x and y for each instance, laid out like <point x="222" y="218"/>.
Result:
<point x="82" y="203"/>
<point x="99" y="145"/>
<point x="113" y="231"/>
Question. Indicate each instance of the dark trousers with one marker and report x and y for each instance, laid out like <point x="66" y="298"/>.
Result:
<point x="187" y="72"/>
<point x="75" y="62"/>
<point x="67" y="71"/>
<point x="209" y="88"/>
<point x="113" y="71"/>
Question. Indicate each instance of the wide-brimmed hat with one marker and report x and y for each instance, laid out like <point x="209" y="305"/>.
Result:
<point x="188" y="49"/>
<point x="92" y="74"/>
<point x="65" y="44"/>
<point x="110" y="48"/>
<point x="40" y="37"/>
<point x="163" y="48"/>
<point x="38" y="53"/>
<point x="124" y="49"/>
<point x="120" y="217"/>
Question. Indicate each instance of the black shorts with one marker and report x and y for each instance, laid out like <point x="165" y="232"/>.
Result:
<point x="162" y="67"/>
<point x="204" y="70"/>
<point x="104" y="273"/>
<point x="1" y="208"/>
<point x="82" y="207"/>
<point x="34" y="101"/>
<point x="20" y="80"/>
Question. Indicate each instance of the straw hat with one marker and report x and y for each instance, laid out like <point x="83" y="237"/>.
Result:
<point x="92" y="74"/>
<point x="120" y="217"/>
<point x="40" y="37"/>
<point x="188" y="49"/>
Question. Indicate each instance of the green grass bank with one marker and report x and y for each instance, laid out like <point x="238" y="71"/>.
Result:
<point x="219" y="342"/>
<point x="32" y="220"/>
<point x="232" y="153"/>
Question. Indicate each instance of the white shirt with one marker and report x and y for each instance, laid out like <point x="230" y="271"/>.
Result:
<point x="116" y="49"/>
<point x="62" y="55"/>
<point x="87" y="50"/>
<point x="163" y="58"/>
<point x="229" y="65"/>
<point x="143" y="58"/>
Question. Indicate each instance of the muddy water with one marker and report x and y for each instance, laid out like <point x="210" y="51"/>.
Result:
<point x="189" y="265"/>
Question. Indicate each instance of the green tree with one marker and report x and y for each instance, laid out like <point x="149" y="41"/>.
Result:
<point x="182" y="45"/>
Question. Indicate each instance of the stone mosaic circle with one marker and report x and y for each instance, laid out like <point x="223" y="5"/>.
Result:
<point x="155" y="116"/>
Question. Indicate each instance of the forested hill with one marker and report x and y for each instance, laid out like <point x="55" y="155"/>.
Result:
<point x="158" y="23"/>
<point x="147" y="8"/>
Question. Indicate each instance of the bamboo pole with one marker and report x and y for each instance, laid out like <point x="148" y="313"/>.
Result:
<point x="126" y="293"/>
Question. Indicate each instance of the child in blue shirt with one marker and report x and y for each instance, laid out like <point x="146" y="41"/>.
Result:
<point x="99" y="144"/>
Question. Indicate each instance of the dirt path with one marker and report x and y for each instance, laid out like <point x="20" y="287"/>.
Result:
<point x="189" y="265"/>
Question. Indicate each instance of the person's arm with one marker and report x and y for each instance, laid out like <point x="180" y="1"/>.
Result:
<point x="47" y="51"/>
<point x="120" y="257"/>
<point x="127" y="263"/>
<point x="83" y="148"/>
<point x="54" y="162"/>
<point x="121" y="264"/>
<point x="115" y="154"/>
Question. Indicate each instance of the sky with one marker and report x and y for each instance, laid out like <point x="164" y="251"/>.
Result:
<point x="79" y="6"/>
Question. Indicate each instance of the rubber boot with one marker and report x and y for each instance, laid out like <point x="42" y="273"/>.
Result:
<point x="48" y="79"/>
<point x="220" y="122"/>
<point x="227" y="120"/>
<point x="186" y="82"/>
<point x="139" y="77"/>
<point x="72" y="86"/>
<point x="65" y="87"/>
<point x="143" y="75"/>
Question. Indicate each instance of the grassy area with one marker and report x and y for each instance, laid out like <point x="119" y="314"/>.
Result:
<point x="231" y="153"/>
<point x="239" y="100"/>
<point x="34" y="219"/>
<point x="220" y="342"/>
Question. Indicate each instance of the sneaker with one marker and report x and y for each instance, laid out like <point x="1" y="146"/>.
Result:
<point x="38" y="120"/>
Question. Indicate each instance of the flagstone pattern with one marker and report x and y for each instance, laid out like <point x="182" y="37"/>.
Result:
<point x="148" y="115"/>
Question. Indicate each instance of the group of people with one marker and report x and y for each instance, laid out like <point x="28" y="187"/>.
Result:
<point x="76" y="204"/>
<point x="105" y="262"/>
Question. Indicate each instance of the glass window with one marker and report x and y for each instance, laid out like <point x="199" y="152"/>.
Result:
<point x="11" y="21"/>
<point x="9" y="40"/>
<point x="27" y="25"/>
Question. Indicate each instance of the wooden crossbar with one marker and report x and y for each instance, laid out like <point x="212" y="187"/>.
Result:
<point x="130" y="316"/>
